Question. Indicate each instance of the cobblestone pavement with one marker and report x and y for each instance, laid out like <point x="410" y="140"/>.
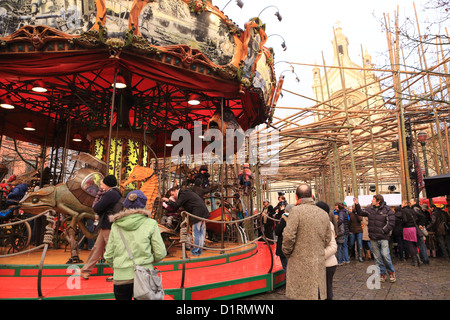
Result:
<point x="427" y="282"/>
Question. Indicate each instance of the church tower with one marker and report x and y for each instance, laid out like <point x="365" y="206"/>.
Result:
<point x="360" y="83"/>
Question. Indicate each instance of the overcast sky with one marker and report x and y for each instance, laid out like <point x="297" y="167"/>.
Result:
<point x="307" y="28"/>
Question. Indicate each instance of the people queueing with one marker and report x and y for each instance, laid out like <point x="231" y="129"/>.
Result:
<point x="440" y="224"/>
<point x="343" y="232"/>
<point x="368" y="254"/>
<point x="267" y="216"/>
<point x="141" y="234"/>
<point x="431" y="240"/>
<point x="330" y="251"/>
<point x="381" y="222"/>
<point x="106" y="203"/>
<point x="356" y="233"/>
<point x="279" y="233"/>
<point x="422" y="223"/>
<point x="402" y="250"/>
<point x="279" y="208"/>
<point x="409" y="224"/>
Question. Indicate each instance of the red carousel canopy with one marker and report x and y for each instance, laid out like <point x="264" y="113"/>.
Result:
<point x="163" y="55"/>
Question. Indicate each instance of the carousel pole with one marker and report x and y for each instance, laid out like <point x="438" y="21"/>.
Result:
<point x="64" y="156"/>
<point x="108" y="149"/>
<point x="221" y="175"/>
<point x="43" y="152"/>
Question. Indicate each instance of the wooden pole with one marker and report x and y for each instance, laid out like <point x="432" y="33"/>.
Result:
<point x="349" y="130"/>
<point x="374" y="160"/>
<point x="394" y="57"/>
<point x="436" y="117"/>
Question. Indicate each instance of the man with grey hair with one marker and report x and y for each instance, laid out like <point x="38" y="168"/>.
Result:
<point x="305" y="238"/>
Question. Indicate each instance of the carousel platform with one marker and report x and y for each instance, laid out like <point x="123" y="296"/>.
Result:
<point x="249" y="270"/>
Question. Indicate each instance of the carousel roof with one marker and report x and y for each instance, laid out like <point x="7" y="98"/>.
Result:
<point x="164" y="51"/>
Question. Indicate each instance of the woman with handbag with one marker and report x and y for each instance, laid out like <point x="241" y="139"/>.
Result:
<point x="134" y="240"/>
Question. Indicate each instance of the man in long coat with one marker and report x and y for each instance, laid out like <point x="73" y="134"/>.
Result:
<point x="305" y="238"/>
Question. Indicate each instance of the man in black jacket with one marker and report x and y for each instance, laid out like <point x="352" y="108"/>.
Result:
<point x="381" y="222"/>
<point x="106" y="203"/>
<point x="192" y="203"/>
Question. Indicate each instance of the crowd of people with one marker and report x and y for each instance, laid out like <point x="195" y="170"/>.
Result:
<point x="312" y="243"/>
<point x="312" y="240"/>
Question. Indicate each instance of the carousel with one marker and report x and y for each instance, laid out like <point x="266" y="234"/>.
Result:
<point x="109" y="87"/>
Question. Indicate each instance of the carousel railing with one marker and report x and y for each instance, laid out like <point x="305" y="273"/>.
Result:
<point x="184" y="238"/>
<point x="48" y="238"/>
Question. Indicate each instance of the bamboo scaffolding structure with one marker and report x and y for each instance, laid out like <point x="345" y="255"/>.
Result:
<point x="353" y="143"/>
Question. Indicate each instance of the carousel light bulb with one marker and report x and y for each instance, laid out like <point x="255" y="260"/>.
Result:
<point x="7" y="103"/>
<point x="120" y="82"/>
<point x="194" y="100"/>
<point x="77" y="137"/>
<point x="39" y="86"/>
<point x="29" y="126"/>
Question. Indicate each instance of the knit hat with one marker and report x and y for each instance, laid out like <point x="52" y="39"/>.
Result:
<point x="135" y="200"/>
<point x="110" y="181"/>
<point x="324" y="206"/>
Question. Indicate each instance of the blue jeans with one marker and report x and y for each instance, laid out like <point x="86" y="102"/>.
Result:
<point x="356" y="237"/>
<point x="343" y="251"/>
<point x="381" y="252"/>
<point x="199" y="233"/>
<point x="402" y="247"/>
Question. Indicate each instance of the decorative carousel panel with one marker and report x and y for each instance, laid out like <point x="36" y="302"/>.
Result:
<point x="254" y="40"/>
<point x="117" y="14"/>
<point x="72" y="17"/>
<point x="263" y="78"/>
<point x="173" y="22"/>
